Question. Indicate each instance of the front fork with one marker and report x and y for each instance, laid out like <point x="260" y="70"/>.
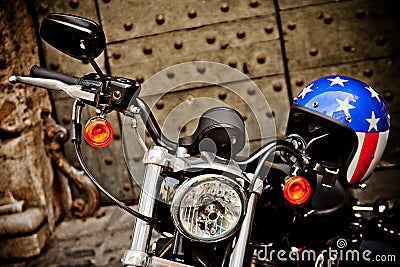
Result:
<point x="155" y="159"/>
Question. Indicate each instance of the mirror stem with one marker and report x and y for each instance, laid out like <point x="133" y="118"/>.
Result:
<point x="94" y="65"/>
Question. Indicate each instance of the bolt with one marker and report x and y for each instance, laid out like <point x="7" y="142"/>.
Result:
<point x="160" y="104"/>
<point x="251" y="91"/>
<point x="210" y="39"/>
<point x="368" y="72"/>
<point x="224" y="7"/>
<point x="116" y="55"/>
<point x="240" y="34"/>
<point x="139" y="78"/>
<point x="388" y="95"/>
<point x="261" y="59"/>
<point x="360" y="13"/>
<point x="299" y="82"/>
<point x="126" y="186"/>
<point x="315" y="104"/>
<point x="291" y="25"/>
<point x="147" y="50"/>
<point x="116" y="136"/>
<point x="160" y="19"/>
<point x="74" y="3"/>
<point x="66" y="119"/>
<point x="313" y="51"/>
<point x="347" y="46"/>
<point x="232" y="63"/>
<point x="108" y="160"/>
<point x="253" y="3"/>
<point x="201" y="69"/>
<point x="192" y="13"/>
<point x="178" y="44"/>
<point x="43" y="9"/>
<point x="54" y="65"/>
<point x="170" y="74"/>
<point x="244" y="116"/>
<point x="222" y="95"/>
<point x="128" y="25"/>
<point x="277" y="86"/>
<point x="270" y="114"/>
<point x="328" y="18"/>
<point x="269" y="29"/>
<point x="136" y="157"/>
<point x="381" y="41"/>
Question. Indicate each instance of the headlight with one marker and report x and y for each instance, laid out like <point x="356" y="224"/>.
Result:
<point x="208" y="207"/>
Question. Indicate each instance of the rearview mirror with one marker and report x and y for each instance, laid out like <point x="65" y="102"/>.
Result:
<point x="67" y="33"/>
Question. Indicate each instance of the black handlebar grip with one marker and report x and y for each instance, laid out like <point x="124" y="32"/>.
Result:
<point x="39" y="72"/>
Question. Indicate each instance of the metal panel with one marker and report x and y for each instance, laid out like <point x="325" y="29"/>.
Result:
<point x="138" y="18"/>
<point x="332" y="33"/>
<point x="257" y="53"/>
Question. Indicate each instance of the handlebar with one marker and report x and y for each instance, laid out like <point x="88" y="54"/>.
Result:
<point x="40" y="72"/>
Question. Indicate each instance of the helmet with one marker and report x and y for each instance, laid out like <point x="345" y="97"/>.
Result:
<point x="343" y="122"/>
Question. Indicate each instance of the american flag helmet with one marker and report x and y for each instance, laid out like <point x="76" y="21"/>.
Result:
<point x="348" y="122"/>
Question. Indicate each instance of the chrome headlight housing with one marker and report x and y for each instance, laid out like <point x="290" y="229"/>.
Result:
<point x="208" y="208"/>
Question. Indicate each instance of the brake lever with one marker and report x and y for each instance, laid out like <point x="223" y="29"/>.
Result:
<point x="74" y="91"/>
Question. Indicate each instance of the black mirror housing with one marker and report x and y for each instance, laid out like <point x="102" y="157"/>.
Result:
<point x="67" y="33"/>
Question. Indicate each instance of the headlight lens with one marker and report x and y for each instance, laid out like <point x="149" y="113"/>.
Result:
<point x="208" y="207"/>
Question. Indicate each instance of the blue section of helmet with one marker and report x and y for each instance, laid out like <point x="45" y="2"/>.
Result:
<point x="347" y="100"/>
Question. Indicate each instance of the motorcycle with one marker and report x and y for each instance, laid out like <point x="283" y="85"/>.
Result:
<point x="209" y="206"/>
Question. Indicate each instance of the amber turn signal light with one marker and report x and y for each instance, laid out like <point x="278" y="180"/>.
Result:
<point x="98" y="132"/>
<point x="297" y="190"/>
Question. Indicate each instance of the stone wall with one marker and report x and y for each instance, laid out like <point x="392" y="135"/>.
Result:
<point x="26" y="174"/>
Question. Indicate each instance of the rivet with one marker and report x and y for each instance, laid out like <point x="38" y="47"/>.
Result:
<point x="66" y="119"/>
<point x="160" y="104"/>
<point x="139" y="78"/>
<point x="116" y="136"/>
<point x="277" y="86"/>
<point x="315" y="104"/>
<point x="192" y="13"/>
<point x="222" y="95"/>
<point x="126" y="186"/>
<point x="270" y="114"/>
<point x="240" y="34"/>
<point x="253" y="3"/>
<point x="291" y="25"/>
<point x="299" y="82"/>
<point x="368" y="72"/>
<point x="108" y="160"/>
<point x="147" y="50"/>
<point x="328" y="18"/>
<point x="224" y="7"/>
<point x="170" y="74"/>
<point x="128" y="25"/>
<point x="232" y="63"/>
<point x="381" y="41"/>
<point x="360" y="13"/>
<point x="388" y="95"/>
<point x="313" y="51"/>
<point x="178" y="44"/>
<point x="251" y="91"/>
<point x="74" y="3"/>
<point x="269" y="29"/>
<point x="106" y="1"/>
<point x="210" y="39"/>
<point x="43" y="9"/>
<point x="160" y="19"/>
<point x="116" y="55"/>
<point x="245" y="68"/>
<point x="201" y="69"/>
<point x="244" y="116"/>
<point x="54" y="66"/>
<point x="261" y="59"/>
<point x="347" y="46"/>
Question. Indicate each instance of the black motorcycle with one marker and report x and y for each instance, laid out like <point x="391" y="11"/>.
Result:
<point x="282" y="205"/>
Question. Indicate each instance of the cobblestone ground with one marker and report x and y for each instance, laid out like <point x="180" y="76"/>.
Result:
<point x="98" y="241"/>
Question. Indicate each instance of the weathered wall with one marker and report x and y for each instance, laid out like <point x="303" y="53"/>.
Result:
<point x="25" y="168"/>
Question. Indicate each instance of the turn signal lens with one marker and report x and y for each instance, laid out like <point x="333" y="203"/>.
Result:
<point x="98" y="132"/>
<point x="297" y="190"/>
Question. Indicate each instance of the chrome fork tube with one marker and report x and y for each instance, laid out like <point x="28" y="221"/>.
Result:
<point x="154" y="160"/>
